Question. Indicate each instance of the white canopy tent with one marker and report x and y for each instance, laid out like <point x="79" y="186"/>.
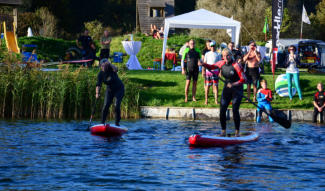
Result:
<point x="202" y="19"/>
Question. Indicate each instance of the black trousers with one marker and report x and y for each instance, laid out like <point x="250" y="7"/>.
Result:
<point x="118" y="94"/>
<point x="104" y="53"/>
<point x="234" y="94"/>
<point x="316" y="112"/>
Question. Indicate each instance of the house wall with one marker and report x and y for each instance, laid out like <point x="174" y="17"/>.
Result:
<point x="144" y="19"/>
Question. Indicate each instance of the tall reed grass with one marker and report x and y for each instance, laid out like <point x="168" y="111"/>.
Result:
<point x="67" y="94"/>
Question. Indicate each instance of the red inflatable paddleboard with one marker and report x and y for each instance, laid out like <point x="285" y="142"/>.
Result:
<point x="107" y="130"/>
<point x="215" y="141"/>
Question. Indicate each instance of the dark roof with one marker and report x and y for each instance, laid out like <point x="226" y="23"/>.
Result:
<point x="11" y="2"/>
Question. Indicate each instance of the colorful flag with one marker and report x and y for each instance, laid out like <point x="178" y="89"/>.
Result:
<point x="305" y="18"/>
<point x="266" y="26"/>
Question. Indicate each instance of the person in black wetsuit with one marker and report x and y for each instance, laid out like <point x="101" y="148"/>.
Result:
<point x="319" y="103"/>
<point x="232" y="90"/>
<point x="115" y="88"/>
<point x="192" y="57"/>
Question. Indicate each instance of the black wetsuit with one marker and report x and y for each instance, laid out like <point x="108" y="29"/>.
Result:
<point x="234" y="94"/>
<point x="319" y="98"/>
<point x="115" y="88"/>
<point x="192" y="58"/>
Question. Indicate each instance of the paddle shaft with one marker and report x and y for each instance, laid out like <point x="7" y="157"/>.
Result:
<point x="250" y="101"/>
<point x="92" y="113"/>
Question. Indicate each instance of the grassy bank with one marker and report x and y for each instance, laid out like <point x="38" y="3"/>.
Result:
<point x="49" y="49"/>
<point x="166" y="88"/>
<point x="57" y="95"/>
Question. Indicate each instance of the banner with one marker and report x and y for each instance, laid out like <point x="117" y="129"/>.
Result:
<point x="277" y="13"/>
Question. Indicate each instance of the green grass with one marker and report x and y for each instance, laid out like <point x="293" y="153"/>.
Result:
<point x="166" y="88"/>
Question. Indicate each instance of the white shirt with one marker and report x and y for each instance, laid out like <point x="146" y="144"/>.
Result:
<point x="211" y="58"/>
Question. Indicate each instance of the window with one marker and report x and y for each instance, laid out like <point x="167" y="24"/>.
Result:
<point x="156" y="12"/>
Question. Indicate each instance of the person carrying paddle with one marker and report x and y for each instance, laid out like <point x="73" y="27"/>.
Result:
<point x="232" y="90"/>
<point x="115" y="88"/>
<point x="264" y="97"/>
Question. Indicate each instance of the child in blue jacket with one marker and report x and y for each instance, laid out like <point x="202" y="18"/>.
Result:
<point x="264" y="98"/>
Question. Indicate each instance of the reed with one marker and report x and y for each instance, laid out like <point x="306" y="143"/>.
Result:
<point x="68" y="94"/>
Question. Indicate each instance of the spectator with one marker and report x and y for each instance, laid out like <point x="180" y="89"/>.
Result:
<point x="319" y="103"/>
<point x="264" y="98"/>
<point x="85" y="43"/>
<point x="211" y="79"/>
<point x="161" y="32"/>
<point x="235" y="52"/>
<point x="206" y="48"/>
<point x="291" y="62"/>
<point x="192" y="56"/>
<point x="105" y="42"/>
<point x="181" y="51"/>
<point x="252" y="59"/>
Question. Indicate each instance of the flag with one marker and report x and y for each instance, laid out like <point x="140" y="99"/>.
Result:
<point x="229" y="30"/>
<point x="305" y="18"/>
<point x="277" y="12"/>
<point x="266" y="26"/>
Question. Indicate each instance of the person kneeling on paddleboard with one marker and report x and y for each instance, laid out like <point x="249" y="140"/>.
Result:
<point x="115" y="88"/>
<point x="232" y="90"/>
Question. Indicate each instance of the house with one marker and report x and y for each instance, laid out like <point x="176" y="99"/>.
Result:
<point x="153" y="12"/>
<point x="10" y="18"/>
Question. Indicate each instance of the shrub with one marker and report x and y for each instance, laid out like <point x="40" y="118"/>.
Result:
<point x="28" y="19"/>
<point x="95" y="29"/>
<point x="48" y="22"/>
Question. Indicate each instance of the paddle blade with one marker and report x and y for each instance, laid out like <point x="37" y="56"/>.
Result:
<point x="281" y="118"/>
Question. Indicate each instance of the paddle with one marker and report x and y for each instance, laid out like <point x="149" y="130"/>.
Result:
<point x="277" y="115"/>
<point x="92" y="113"/>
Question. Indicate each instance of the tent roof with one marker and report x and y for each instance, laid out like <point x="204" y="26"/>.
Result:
<point x="201" y="19"/>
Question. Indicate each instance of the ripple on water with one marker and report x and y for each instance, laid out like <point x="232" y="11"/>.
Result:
<point x="155" y="155"/>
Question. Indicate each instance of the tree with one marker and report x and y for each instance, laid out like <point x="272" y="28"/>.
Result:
<point x="318" y="21"/>
<point x="246" y="11"/>
<point x="286" y="21"/>
<point x="48" y="26"/>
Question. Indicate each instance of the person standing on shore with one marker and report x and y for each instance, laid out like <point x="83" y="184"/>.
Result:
<point x="319" y="103"/>
<point x="292" y="61"/>
<point x="210" y="58"/>
<point x="252" y="59"/>
<point x="105" y="42"/>
<point x="114" y="88"/>
<point x="232" y="90"/>
<point x="191" y="70"/>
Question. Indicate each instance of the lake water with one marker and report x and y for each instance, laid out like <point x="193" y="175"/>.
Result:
<point x="155" y="155"/>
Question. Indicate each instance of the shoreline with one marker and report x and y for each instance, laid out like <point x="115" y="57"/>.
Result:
<point x="195" y="113"/>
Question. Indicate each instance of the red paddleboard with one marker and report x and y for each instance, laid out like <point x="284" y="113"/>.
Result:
<point x="215" y="141"/>
<point x="107" y="130"/>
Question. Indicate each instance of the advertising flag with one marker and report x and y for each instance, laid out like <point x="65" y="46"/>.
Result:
<point x="277" y="13"/>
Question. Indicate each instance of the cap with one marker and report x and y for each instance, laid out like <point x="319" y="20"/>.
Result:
<point x="213" y="43"/>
